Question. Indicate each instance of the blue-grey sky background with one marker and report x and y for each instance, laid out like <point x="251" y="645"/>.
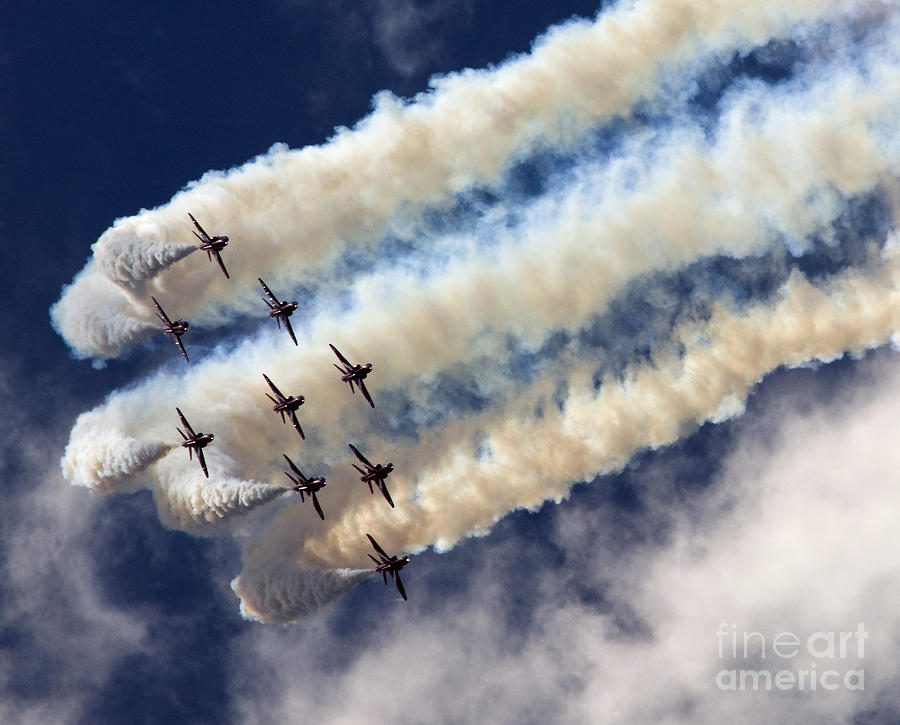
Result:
<point x="590" y="609"/>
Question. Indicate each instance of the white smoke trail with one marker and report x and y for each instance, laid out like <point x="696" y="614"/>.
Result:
<point x="574" y="255"/>
<point x="295" y="211"/>
<point x="129" y="260"/>
<point x="533" y="459"/>
<point x="781" y="166"/>
<point x="107" y="460"/>
<point x="198" y="505"/>
<point x="283" y="593"/>
<point x="456" y="492"/>
<point x="425" y="329"/>
<point x="787" y="158"/>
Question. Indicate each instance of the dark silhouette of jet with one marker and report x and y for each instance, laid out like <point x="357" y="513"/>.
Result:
<point x="392" y="565"/>
<point x="373" y="474"/>
<point x="194" y="441"/>
<point x="302" y="485"/>
<point x="281" y="311"/>
<point x="173" y="329"/>
<point x="211" y="245"/>
<point x="286" y="405"/>
<point x="354" y="374"/>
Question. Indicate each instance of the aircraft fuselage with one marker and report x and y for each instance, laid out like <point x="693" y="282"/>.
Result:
<point x="392" y="566"/>
<point x="290" y="404"/>
<point x="312" y="484"/>
<point x="216" y="244"/>
<point x="285" y="309"/>
<point x="178" y="328"/>
<point x="378" y="474"/>
<point x="201" y="440"/>
<point x="359" y="372"/>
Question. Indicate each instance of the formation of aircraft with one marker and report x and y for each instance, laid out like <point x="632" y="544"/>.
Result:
<point x="353" y="374"/>
<point x="174" y="329"/>
<point x="211" y="245"/>
<point x="373" y="474"/>
<point x="286" y="405"/>
<point x="392" y="565"/>
<point x="302" y="485"/>
<point x="194" y="441"/>
<point x="281" y="311"/>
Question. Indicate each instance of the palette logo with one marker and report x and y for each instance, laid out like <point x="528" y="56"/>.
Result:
<point x="818" y="661"/>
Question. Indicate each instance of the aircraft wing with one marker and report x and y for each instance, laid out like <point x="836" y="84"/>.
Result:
<point x="383" y="486"/>
<point x="181" y="347"/>
<point x="221" y="263"/>
<point x="161" y="314"/>
<point x="399" y="585"/>
<point x="377" y="547"/>
<point x="275" y="390"/>
<point x="296" y="470"/>
<point x="365" y="461"/>
<point x="202" y="462"/>
<point x="185" y="423"/>
<point x="203" y="236"/>
<point x="362" y="389"/>
<point x="296" y="424"/>
<point x="268" y="291"/>
<point x="317" y="507"/>
<point x="343" y="360"/>
<point x="287" y="324"/>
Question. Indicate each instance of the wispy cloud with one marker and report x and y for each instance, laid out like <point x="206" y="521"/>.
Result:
<point x="410" y="34"/>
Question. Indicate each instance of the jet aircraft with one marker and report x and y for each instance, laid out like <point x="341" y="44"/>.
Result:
<point x="373" y="474"/>
<point x="286" y="405"/>
<point x="211" y="245"/>
<point x="281" y="311"/>
<point x="196" y="441"/>
<point x="354" y="374"/>
<point x="174" y="329"/>
<point x="389" y="565"/>
<point x="302" y="485"/>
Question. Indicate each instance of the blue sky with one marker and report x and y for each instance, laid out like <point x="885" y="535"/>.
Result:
<point x="632" y="345"/>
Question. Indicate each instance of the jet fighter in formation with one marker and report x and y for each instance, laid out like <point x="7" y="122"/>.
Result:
<point x="392" y="565"/>
<point x="211" y="245"/>
<point x="373" y="474"/>
<point x="302" y="485"/>
<point x="173" y="329"/>
<point x="354" y="374"/>
<point x="194" y="441"/>
<point x="286" y="405"/>
<point x="280" y="310"/>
